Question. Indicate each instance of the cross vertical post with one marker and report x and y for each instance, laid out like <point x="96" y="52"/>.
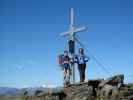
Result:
<point x="71" y="44"/>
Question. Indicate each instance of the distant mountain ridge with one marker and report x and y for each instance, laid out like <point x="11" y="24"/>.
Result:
<point x="16" y="91"/>
<point x="7" y="90"/>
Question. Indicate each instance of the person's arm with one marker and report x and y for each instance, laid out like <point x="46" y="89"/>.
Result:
<point x="86" y="59"/>
<point x="70" y="60"/>
<point x="76" y="59"/>
<point x="63" y="59"/>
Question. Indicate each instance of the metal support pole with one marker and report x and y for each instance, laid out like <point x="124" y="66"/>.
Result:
<point x="71" y="44"/>
<point x="73" y="73"/>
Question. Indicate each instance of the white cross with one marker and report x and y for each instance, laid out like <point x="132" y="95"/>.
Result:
<point x="71" y="33"/>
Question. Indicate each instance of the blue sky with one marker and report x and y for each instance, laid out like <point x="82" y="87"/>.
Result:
<point x="30" y="40"/>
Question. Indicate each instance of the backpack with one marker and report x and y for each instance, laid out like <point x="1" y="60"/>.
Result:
<point x="60" y="59"/>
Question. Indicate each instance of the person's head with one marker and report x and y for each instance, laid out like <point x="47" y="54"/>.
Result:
<point x="66" y="53"/>
<point x="81" y="51"/>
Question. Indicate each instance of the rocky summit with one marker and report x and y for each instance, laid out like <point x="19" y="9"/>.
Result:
<point x="112" y="88"/>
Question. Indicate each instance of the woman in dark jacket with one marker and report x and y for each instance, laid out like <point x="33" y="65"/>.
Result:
<point x="66" y="68"/>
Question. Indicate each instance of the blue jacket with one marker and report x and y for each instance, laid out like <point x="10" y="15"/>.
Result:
<point x="81" y="59"/>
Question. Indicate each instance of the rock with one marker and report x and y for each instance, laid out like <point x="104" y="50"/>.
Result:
<point x="108" y="89"/>
<point x="114" y="81"/>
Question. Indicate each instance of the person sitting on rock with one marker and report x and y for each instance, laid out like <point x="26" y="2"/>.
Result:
<point x="81" y="60"/>
<point x="66" y="68"/>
